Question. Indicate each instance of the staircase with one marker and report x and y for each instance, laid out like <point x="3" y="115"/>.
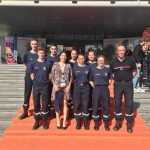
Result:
<point x="11" y="93"/>
<point x="142" y="101"/>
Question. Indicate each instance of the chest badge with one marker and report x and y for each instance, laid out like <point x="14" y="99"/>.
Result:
<point x="44" y="68"/>
<point x="106" y="74"/>
<point x="86" y="72"/>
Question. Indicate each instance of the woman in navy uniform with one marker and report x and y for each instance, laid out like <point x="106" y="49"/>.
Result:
<point x="40" y="74"/>
<point x="72" y="61"/>
<point x="29" y="57"/>
<point x="100" y="78"/>
<point x="81" y="92"/>
<point x="91" y="62"/>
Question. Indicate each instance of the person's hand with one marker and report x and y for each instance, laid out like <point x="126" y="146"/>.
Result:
<point x="139" y="65"/>
<point x="56" y="87"/>
<point x="67" y="89"/>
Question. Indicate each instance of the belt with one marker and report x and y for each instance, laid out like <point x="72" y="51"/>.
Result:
<point x="81" y="84"/>
<point x="123" y="81"/>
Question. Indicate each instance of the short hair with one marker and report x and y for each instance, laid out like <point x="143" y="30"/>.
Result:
<point x="53" y="44"/>
<point x="33" y="40"/>
<point x="141" y="40"/>
<point x="74" y="50"/>
<point x="41" y="49"/>
<point x="119" y="46"/>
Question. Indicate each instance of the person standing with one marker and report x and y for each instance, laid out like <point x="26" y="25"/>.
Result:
<point x="100" y="78"/>
<point x="29" y="57"/>
<point x="123" y="69"/>
<point x="40" y="75"/>
<point x="138" y="57"/>
<point x="91" y="62"/>
<point x="52" y="58"/>
<point x="61" y="77"/>
<point x="81" y="92"/>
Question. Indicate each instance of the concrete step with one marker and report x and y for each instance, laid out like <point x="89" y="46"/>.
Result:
<point x="20" y="89"/>
<point x="6" y="117"/>
<point x="12" y="75"/>
<point x="12" y="81"/>
<point x="10" y="93"/>
<point x="11" y="78"/>
<point x="142" y="95"/>
<point x="16" y="85"/>
<point x="12" y="96"/>
<point x="11" y="99"/>
<point x="6" y="107"/>
<point x="11" y="102"/>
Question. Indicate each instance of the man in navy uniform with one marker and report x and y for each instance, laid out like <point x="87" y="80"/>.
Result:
<point x="29" y="57"/>
<point x="123" y="69"/>
<point x="40" y="74"/>
<point x="52" y="58"/>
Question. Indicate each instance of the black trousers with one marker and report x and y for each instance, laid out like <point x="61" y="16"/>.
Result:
<point x="148" y="74"/>
<point x="38" y="93"/>
<point x="126" y="89"/>
<point x="100" y="93"/>
<point x="81" y="100"/>
<point x="27" y="91"/>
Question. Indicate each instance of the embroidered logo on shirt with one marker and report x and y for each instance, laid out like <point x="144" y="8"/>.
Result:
<point x="44" y="68"/>
<point x="106" y="74"/>
<point x="97" y="74"/>
<point x="86" y="72"/>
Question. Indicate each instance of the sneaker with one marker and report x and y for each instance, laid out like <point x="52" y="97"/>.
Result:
<point x="141" y="90"/>
<point x="36" y="125"/>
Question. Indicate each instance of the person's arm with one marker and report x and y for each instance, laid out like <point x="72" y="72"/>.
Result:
<point x="133" y="68"/>
<point x="52" y="77"/>
<point x="67" y="89"/>
<point x="25" y="61"/>
<point x="31" y="68"/>
<point x="91" y="78"/>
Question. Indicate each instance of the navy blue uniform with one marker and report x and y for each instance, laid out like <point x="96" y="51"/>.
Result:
<point x="91" y="65"/>
<point x="123" y="74"/>
<point x="41" y="87"/>
<point x="148" y="66"/>
<point x="28" y="59"/>
<point x="51" y="60"/>
<point x="100" y="78"/>
<point x="81" y="90"/>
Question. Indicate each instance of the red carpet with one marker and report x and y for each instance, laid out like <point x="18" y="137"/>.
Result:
<point x="20" y="136"/>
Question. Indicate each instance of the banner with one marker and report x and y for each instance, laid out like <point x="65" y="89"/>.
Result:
<point x="11" y="50"/>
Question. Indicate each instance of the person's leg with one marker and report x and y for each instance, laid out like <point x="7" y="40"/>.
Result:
<point x="65" y="110"/>
<point x="105" y="105"/>
<point x="85" y="105"/>
<point x="27" y="94"/>
<point x="128" y="94"/>
<point x="36" y="100"/>
<point x="118" y="92"/>
<point x="77" y="106"/>
<point x="96" y="102"/>
<point x="45" y="108"/>
<point x="136" y="79"/>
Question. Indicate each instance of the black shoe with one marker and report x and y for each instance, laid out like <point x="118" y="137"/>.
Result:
<point x="36" y="125"/>
<point x="86" y="125"/>
<point x="96" y="126"/>
<point x="129" y="128"/>
<point x="23" y="116"/>
<point x="64" y="128"/>
<point x="106" y="126"/>
<point x="117" y="126"/>
<point x="45" y="125"/>
<point x="58" y="127"/>
<point x="78" y="125"/>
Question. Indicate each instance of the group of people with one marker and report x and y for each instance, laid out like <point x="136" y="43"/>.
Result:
<point x="56" y="82"/>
